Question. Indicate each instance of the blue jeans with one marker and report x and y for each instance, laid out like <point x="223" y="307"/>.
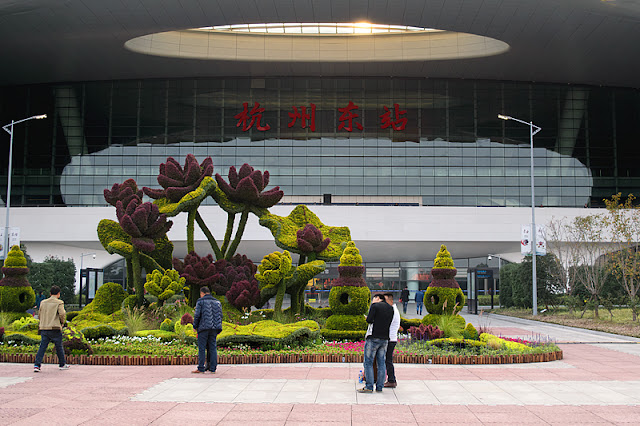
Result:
<point x="375" y="348"/>
<point x="207" y="340"/>
<point x="47" y="336"/>
<point x="419" y="307"/>
<point x="404" y="306"/>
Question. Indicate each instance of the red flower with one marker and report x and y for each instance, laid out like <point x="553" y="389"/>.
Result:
<point x="177" y="181"/>
<point x="247" y="186"/>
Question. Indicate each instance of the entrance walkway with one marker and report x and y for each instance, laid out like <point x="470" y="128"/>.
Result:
<point x="594" y="383"/>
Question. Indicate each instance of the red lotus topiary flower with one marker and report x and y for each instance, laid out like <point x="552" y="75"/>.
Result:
<point x="198" y="271"/>
<point x="310" y="239"/>
<point x="143" y="222"/>
<point x="178" y="181"/>
<point x="244" y="294"/>
<point x="125" y="192"/>
<point x="247" y="186"/>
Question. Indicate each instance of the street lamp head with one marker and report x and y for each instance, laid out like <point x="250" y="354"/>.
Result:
<point x="94" y="256"/>
<point x="40" y="117"/>
<point x="489" y="257"/>
<point x="504" y="117"/>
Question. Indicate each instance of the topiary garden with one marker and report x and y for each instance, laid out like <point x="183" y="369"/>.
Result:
<point x="153" y="315"/>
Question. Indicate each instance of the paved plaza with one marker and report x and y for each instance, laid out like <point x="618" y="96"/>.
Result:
<point x="598" y="381"/>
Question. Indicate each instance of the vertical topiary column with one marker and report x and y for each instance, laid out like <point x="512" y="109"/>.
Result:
<point x="16" y="294"/>
<point x="443" y="296"/>
<point x="349" y="298"/>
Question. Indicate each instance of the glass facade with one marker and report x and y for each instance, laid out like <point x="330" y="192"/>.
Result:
<point x="433" y="141"/>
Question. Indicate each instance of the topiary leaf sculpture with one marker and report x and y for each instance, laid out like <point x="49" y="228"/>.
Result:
<point x="164" y="285"/>
<point x="184" y="189"/>
<point x="125" y="192"/>
<point x="310" y="241"/>
<point x="16" y="294"/>
<point x="274" y="269"/>
<point x="143" y="222"/>
<point x="247" y="187"/>
<point x="285" y="231"/>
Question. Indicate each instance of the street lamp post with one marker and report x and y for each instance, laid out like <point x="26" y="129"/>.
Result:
<point x="533" y="129"/>
<point x="9" y="129"/>
<point x="82" y="255"/>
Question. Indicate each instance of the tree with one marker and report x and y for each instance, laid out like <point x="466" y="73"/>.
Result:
<point x="623" y="221"/>
<point x="587" y="241"/>
<point x="54" y="271"/>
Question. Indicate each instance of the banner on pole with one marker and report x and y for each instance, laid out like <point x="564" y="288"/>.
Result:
<point x="14" y="239"/>
<point x="525" y="240"/>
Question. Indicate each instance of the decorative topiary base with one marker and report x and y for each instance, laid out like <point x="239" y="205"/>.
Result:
<point x="348" y="300"/>
<point x="354" y="336"/>
<point x="433" y="319"/>
<point x="16" y="299"/>
<point x="435" y="297"/>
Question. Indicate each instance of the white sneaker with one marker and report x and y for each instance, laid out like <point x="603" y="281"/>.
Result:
<point x="36" y="369"/>
<point x="64" y="367"/>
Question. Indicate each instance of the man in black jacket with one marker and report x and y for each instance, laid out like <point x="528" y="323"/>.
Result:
<point x="207" y="320"/>
<point x="379" y="319"/>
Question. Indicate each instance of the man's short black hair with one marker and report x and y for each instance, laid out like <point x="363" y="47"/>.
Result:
<point x="379" y="295"/>
<point x="389" y="295"/>
<point x="205" y="290"/>
<point x="55" y="290"/>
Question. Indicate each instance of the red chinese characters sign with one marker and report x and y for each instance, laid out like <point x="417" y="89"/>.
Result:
<point x="306" y="116"/>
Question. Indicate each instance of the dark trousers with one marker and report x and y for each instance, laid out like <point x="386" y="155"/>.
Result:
<point x="48" y="336"/>
<point x="391" y="372"/>
<point x="207" y="340"/>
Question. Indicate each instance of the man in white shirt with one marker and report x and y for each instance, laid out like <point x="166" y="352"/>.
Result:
<point x="393" y="340"/>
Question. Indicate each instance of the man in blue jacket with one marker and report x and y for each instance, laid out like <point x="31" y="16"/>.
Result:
<point x="207" y="320"/>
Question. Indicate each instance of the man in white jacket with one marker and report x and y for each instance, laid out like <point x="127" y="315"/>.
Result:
<point x="393" y="340"/>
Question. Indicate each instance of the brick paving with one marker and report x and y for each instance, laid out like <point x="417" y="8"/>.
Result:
<point x="595" y="383"/>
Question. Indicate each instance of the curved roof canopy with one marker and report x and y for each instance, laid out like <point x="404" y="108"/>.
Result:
<point x="568" y="41"/>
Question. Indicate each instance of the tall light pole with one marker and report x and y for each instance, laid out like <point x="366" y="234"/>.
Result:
<point x="533" y="129"/>
<point x="82" y="255"/>
<point x="9" y="129"/>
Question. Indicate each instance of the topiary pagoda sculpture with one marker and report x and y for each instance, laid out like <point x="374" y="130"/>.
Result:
<point x="349" y="298"/>
<point x="16" y="294"/>
<point x="443" y="296"/>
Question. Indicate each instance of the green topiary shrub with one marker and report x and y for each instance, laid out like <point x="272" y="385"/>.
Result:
<point x="164" y="335"/>
<point x="25" y="324"/>
<point x="442" y="300"/>
<point x="129" y="302"/>
<point x="164" y="286"/>
<point x="184" y="330"/>
<point x="72" y="315"/>
<point x="333" y="335"/>
<point x="21" y="339"/>
<point x="407" y="323"/>
<point x="348" y="300"/>
<point x="470" y="332"/>
<point x="346" y="322"/>
<point x="167" y="325"/>
<point x="109" y="298"/>
<point x="16" y="294"/>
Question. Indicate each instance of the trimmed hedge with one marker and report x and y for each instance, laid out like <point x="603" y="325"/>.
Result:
<point x="108" y="298"/>
<point x="22" y="338"/>
<point x="407" y="323"/>
<point x="432" y="319"/>
<point x="165" y="336"/>
<point x="470" y="332"/>
<point x="266" y="332"/>
<point x="346" y="322"/>
<point x="354" y="336"/>
<point x="349" y="300"/>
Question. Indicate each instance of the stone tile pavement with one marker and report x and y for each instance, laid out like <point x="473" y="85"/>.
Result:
<point x="596" y="382"/>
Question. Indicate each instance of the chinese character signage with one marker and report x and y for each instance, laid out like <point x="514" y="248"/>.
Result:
<point x="525" y="241"/>
<point x="304" y="116"/>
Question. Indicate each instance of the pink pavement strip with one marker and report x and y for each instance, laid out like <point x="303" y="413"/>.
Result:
<point x="99" y="395"/>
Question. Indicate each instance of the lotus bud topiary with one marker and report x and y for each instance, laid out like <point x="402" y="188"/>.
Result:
<point x="244" y="294"/>
<point x="247" y="187"/>
<point x="310" y="240"/>
<point x="274" y="268"/>
<point x="164" y="286"/>
<point x="143" y="222"/>
<point x="125" y="192"/>
<point x="198" y="272"/>
<point x="177" y="181"/>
